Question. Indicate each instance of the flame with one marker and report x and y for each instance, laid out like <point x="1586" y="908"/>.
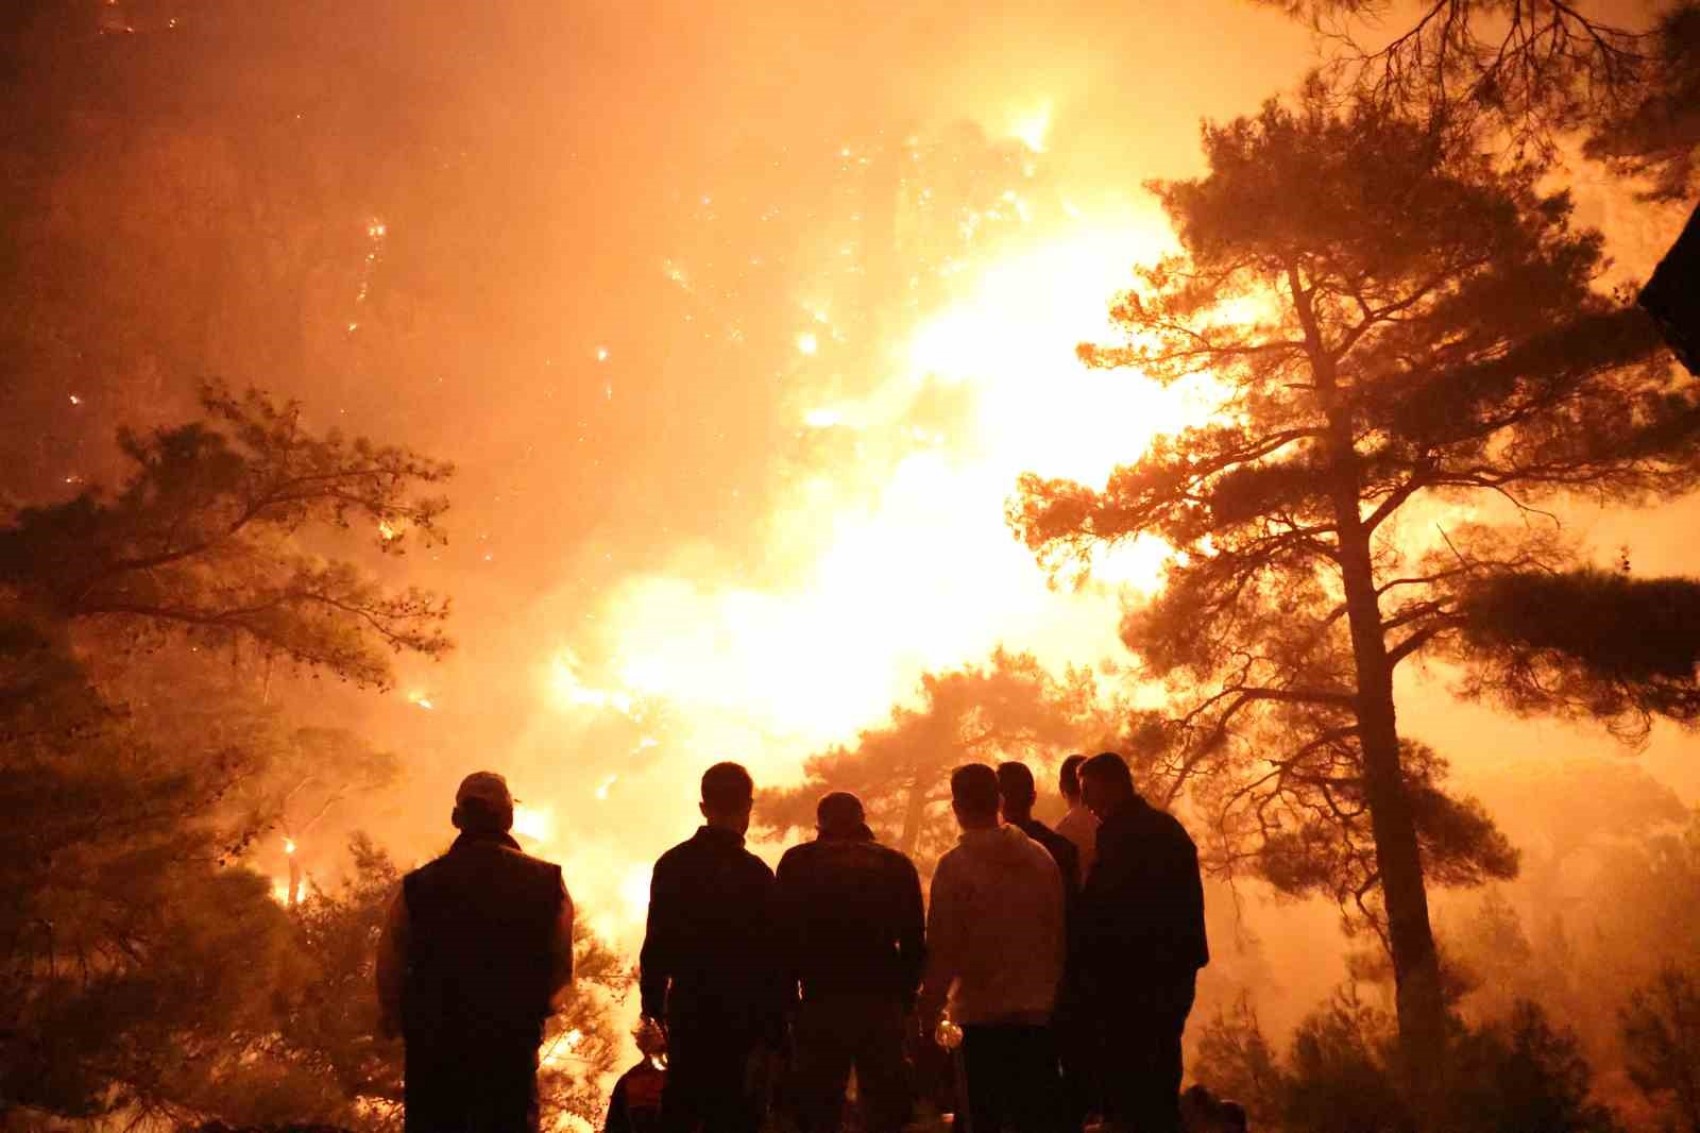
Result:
<point x="1029" y="127"/>
<point x="904" y="562"/>
<point x="536" y="824"/>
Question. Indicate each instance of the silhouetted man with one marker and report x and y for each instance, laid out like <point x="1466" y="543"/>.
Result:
<point x="1138" y="945"/>
<point x="635" y="1104"/>
<point x="1018" y="794"/>
<point x="853" y="925"/>
<point x="995" y="949"/>
<point x="709" y="964"/>
<point x="1079" y="825"/>
<point x="477" y="946"/>
<point x="1074" y="1048"/>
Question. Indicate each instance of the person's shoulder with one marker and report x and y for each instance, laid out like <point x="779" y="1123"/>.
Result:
<point x="672" y="858"/>
<point x="754" y="865"/>
<point x="797" y="857"/>
<point x="891" y="857"/>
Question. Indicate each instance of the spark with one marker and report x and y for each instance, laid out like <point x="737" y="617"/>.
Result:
<point x="602" y="354"/>
<point x="822" y="418"/>
<point x="389" y="532"/>
<point x="421" y="699"/>
<point x="603" y="788"/>
<point x="75" y="400"/>
<point x="807" y="343"/>
<point x="377" y="229"/>
<point x="289" y="845"/>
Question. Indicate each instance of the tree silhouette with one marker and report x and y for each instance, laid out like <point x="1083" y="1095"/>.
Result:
<point x="1533" y="70"/>
<point x="203" y="538"/>
<point x="1009" y="708"/>
<point x="1395" y="326"/>
<point x="1661" y="1037"/>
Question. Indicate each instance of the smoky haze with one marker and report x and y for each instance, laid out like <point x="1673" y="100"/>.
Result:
<point x="738" y="322"/>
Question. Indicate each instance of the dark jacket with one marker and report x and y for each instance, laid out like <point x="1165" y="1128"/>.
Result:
<point x="851" y="918"/>
<point x="1066" y="854"/>
<point x="709" y="954"/>
<point x="1140" y="917"/>
<point x="481" y="954"/>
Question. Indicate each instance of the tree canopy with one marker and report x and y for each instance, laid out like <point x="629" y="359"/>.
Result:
<point x="1408" y="346"/>
<point x="209" y="534"/>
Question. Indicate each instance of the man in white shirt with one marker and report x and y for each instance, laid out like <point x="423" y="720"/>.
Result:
<point x="995" y="950"/>
<point x="1079" y="825"/>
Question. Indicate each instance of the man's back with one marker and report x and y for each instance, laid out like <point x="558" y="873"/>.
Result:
<point x="481" y="923"/>
<point x="1062" y="851"/>
<point x="1142" y="908"/>
<point x="1080" y="826"/>
<point x="997" y="926"/>
<point x="709" y="948"/>
<point x="852" y="917"/>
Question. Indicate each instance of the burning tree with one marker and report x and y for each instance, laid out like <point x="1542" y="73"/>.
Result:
<point x="1397" y="327"/>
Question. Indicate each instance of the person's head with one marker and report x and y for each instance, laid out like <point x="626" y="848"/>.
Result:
<point x="1015" y="786"/>
<point x="1106" y="785"/>
<point x="483" y="804"/>
<point x="840" y="815"/>
<point x="974" y="796"/>
<point x="728" y="792"/>
<point x="1068" y="779"/>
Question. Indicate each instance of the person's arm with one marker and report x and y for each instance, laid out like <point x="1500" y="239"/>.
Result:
<point x="788" y="904"/>
<point x="944" y="945"/>
<point x="561" y="946"/>
<point x="1194" y="890"/>
<point x="911" y="931"/>
<point x="656" y="960"/>
<point x="392" y="966"/>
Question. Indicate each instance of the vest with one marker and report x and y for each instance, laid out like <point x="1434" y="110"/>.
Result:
<point x="480" y="922"/>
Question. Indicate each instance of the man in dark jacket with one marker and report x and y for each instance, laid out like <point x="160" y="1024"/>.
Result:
<point x="1074" y="1047"/>
<point x="478" y="944"/>
<point x="851" y="919"/>
<point x="1018" y="792"/>
<point x="709" y="968"/>
<point x="1138" y="945"/>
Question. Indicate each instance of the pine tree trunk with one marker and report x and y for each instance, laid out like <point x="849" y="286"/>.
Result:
<point x="1416" y="968"/>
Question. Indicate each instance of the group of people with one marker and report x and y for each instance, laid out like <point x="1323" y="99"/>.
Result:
<point x="1051" y="970"/>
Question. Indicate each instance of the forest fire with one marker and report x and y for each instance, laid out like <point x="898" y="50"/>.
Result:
<point x="601" y="393"/>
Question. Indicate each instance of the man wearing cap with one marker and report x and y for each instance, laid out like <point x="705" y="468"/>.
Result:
<point x="709" y="969"/>
<point x="477" y="947"/>
<point x="853" y="929"/>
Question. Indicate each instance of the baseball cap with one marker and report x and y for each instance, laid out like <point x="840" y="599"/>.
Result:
<point x="486" y="789"/>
